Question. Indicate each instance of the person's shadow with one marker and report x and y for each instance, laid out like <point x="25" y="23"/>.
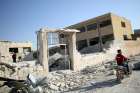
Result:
<point x="103" y="84"/>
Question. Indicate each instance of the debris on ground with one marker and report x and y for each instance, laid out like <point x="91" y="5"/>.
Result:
<point x="67" y="80"/>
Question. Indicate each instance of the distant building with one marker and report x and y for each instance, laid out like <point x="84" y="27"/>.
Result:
<point x="101" y="29"/>
<point x="137" y="32"/>
<point x="7" y="48"/>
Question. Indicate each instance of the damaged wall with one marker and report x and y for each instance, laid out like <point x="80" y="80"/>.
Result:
<point x="132" y="47"/>
<point x="79" y="61"/>
<point x="43" y="46"/>
<point x="6" y="54"/>
<point x="129" y="48"/>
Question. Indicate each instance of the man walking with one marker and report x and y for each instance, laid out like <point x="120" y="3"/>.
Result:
<point x="14" y="57"/>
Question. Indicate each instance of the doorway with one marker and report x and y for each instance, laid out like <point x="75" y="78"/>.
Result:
<point x="58" y="54"/>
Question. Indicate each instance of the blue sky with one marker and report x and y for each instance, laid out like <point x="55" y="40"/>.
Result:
<point x="20" y="19"/>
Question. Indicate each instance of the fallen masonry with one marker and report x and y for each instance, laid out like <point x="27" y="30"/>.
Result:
<point x="67" y="80"/>
<point x="19" y="71"/>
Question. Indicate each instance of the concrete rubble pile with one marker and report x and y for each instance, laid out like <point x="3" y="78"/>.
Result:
<point x="20" y="70"/>
<point x="6" y="69"/>
<point x="58" y="60"/>
<point x="54" y="58"/>
<point x="95" y="48"/>
<point x="90" y="49"/>
<point x="68" y="80"/>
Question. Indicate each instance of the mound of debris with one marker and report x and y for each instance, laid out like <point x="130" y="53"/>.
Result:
<point x="65" y="80"/>
<point x="90" y="49"/>
<point x="58" y="59"/>
<point x="6" y="69"/>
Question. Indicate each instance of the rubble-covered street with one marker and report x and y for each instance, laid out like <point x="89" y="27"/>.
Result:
<point x="109" y="85"/>
<point x="97" y="79"/>
<point x="93" y="79"/>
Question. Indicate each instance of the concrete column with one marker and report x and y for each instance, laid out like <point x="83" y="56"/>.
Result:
<point x="88" y="43"/>
<point x="0" y="57"/>
<point x="43" y="50"/>
<point x="75" y="63"/>
<point x="37" y="46"/>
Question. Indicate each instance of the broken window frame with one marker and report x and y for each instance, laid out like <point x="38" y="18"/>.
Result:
<point x="82" y="29"/>
<point x="53" y="38"/>
<point x="92" y="27"/>
<point x="82" y="44"/>
<point x="93" y="41"/>
<point x="105" y="23"/>
<point x="108" y="37"/>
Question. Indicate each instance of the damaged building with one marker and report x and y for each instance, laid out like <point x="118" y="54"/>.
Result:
<point x="93" y="32"/>
<point x="7" y="48"/>
<point x="99" y="30"/>
<point x="66" y="48"/>
<point x="60" y="49"/>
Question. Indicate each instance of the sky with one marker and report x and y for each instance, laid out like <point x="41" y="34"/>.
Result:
<point x="20" y="19"/>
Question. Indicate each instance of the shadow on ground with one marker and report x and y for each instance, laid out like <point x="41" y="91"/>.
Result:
<point x="136" y="66"/>
<point x="103" y="84"/>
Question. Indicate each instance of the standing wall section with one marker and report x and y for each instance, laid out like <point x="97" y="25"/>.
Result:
<point x="118" y="30"/>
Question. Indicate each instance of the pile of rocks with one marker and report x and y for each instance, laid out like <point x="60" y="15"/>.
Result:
<point x="64" y="80"/>
<point x="58" y="62"/>
<point x="20" y="70"/>
<point x="68" y="80"/>
<point x="6" y="69"/>
<point x="90" y="49"/>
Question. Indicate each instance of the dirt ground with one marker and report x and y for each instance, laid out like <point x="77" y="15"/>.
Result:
<point x="109" y="85"/>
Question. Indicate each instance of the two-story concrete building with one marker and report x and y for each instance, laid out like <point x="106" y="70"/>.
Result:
<point x="100" y="29"/>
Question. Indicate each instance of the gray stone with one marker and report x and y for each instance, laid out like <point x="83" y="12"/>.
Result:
<point x="54" y="87"/>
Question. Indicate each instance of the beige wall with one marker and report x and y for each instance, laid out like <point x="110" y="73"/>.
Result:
<point x="94" y="33"/>
<point x="115" y="28"/>
<point x="132" y="47"/>
<point x="4" y="49"/>
<point x="118" y="43"/>
<point x="118" y="30"/>
<point x="129" y="48"/>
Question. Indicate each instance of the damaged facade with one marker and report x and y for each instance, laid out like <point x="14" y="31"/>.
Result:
<point x="69" y="40"/>
<point x="56" y="46"/>
<point x="101" y="29"/>
<point x="8" y="47"/>
<point x="108" y="29"/>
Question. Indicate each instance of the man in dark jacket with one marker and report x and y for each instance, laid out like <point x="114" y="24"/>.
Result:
<point x="14" y="57"/>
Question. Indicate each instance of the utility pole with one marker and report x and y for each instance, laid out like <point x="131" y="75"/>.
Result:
<point x="100" y="36"/>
